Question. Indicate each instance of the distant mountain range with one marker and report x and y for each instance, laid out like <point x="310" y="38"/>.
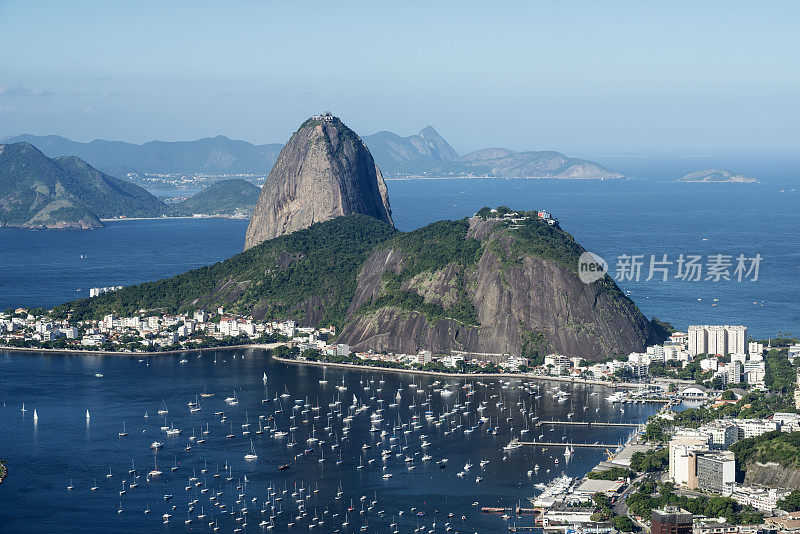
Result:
<point x="68" y="193"/>
<point x="426" y="154"/>
<point x="208" y="155"/>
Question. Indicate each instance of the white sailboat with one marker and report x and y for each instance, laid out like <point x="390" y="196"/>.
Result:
<point x="87" y="415"/>
<point x="35" y="416"/>
<point x="154" y="472"/>
<point x="252" y="455"/>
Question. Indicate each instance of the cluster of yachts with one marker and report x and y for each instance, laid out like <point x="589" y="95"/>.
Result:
<point x="298" y="456"/>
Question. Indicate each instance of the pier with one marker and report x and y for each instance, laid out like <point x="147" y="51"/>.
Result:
<point x="565" y="444"/>
<point x="518" y="510"/>
<point x="590" y="423"/>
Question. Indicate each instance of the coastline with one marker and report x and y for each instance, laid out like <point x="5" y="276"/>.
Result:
<point x="529" y="376"/>
<point x="415" y="177"/>
<point x="172" y="218"/>
<point x="130" y="354"/>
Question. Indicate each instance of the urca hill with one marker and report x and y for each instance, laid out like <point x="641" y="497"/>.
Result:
<point x="492" y="284"/>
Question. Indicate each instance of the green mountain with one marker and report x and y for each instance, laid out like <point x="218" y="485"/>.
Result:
<point x="65" y="192"/>
<point x="485" y="284"/>
<point x="226" y="197"/>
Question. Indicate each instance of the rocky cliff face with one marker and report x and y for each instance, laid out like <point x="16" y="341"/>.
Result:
<point x="772" y="474"/>
<point x="324" y="171"/>
<point x="523" y="303"/>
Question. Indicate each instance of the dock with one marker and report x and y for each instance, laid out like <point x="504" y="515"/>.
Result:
<point x="565" y="444"/>
<point x="517" y="510"/>
<point x="590" y="423"/>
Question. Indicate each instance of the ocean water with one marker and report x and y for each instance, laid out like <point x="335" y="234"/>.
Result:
<point x="63" y="448"/>
<point x="639" y="217"/>
<point x="45" y="268"/>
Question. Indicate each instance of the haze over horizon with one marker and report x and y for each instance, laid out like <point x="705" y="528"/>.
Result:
<point x="580" y="78"/>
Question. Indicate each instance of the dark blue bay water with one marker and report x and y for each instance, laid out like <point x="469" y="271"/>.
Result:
<point x="45" y="268"/>
<point x="62" y="448"/>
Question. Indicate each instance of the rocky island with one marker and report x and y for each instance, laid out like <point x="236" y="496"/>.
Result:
<point x="717" y="176"/>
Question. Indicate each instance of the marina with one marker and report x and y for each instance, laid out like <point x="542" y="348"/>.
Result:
<point x="329" y="449"/>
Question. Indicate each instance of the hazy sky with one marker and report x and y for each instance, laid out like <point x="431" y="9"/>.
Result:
<point x="580" y="77"/>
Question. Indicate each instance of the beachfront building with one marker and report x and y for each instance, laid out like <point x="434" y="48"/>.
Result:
<point x="557" y="363"/>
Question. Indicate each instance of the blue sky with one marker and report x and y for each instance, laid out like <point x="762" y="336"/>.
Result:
<point x="579" y="77"/>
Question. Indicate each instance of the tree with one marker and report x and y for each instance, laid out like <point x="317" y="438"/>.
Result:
<point x="654" y="433"/>
<point x="650" y="461"/>
<point x="791" y="503"/>
<point x="728" y="395"/>
<point x="623" y="523"/>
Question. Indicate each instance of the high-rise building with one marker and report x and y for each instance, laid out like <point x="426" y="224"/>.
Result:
<point x="681" y="462"/>
<point x="671" y="520"/>
<point x="698" y="340"/>
<point x="717" y="339"/>
<point x="716" y="471"/>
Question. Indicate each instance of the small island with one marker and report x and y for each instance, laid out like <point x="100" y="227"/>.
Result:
<point x="717" y="176"/>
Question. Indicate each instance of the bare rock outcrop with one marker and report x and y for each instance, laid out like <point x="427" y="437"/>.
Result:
<point x="324" y="171"/>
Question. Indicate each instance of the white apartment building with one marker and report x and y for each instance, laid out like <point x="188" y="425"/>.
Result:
<point x="656" y="353"/>
<point x="733" y="373"/>
<point x="451" y="360"/>
<point x="750" y="428"/>
<point x="93" y="340"/>
<point x="70" y="332"/>
<point x="681" y="461"/>
<point x="558" y="362"/>
<point x="722" y="434"/>
<point x="763" y="499"/>
<point x="424" y="356"/>
<point x="794" y="352"/>
<point x="716" y="339"/>
<point x="715" y="471"/>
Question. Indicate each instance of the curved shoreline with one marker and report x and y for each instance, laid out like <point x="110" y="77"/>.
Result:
<point x="458" y="375"/>
<point x="130" y="354"/>
<point x="527" y="376"/>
